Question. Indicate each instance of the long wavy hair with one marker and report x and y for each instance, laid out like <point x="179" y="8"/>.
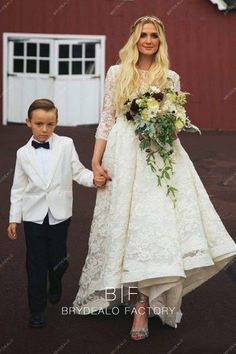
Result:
<point x="128" y="78"/>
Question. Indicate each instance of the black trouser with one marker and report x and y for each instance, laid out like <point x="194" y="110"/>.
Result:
<point x="46" y="254"/>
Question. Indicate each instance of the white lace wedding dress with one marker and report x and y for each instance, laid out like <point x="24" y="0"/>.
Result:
<point x="137" y="237"/>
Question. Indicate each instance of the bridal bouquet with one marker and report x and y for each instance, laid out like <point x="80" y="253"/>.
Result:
<point x="157" y="117"/>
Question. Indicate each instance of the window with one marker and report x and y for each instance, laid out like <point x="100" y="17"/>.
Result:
<point x="77" y="59"/>
<point x="31" y="58"/>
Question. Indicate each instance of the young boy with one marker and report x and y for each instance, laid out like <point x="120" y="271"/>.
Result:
<point x="41" y="196"/>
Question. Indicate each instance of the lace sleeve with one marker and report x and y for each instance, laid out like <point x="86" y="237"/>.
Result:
<point x="108" y="113"/>
<point x="177" y="82"/>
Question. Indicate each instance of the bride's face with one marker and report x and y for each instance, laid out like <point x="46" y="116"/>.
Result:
<point x="148" y="42"/>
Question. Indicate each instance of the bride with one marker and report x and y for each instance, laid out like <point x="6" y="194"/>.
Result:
<point x="138" y="239"/>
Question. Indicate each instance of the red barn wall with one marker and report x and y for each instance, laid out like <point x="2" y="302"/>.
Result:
<point x="201" y="39"/>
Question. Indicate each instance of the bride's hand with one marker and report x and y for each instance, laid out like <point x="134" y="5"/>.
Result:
<point x="99" y="171"/>
<point x="175" y="134"/>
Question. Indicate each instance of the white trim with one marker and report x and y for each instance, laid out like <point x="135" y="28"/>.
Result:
<point x="7" y="36"/>
<point x="86" y="38"/>
<point x="5" y="70"/>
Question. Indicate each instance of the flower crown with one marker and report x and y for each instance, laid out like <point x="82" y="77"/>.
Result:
<point x="146" y="19"/>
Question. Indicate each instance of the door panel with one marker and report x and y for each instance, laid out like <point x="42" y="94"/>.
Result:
<point x="22" y="92"/>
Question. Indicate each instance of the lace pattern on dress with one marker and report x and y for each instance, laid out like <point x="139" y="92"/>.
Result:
<point x="136" y="235"/>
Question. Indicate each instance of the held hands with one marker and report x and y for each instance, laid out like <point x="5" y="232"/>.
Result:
<point x="101" y="176"/>
<point x="12" y="231"/>
<point x="100" y="181"/>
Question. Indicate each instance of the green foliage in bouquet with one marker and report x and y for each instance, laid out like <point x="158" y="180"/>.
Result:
<point x="158" y="117"/>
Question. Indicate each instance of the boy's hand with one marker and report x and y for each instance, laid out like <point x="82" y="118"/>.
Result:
<point x="100" y="181"/>
<point x="12" y="231"/>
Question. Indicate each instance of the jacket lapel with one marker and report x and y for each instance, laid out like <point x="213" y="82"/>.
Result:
<point x="31" y="154"/>
<point x="56" y="152"/>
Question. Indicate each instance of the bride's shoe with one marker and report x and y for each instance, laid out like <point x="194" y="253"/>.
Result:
<point x="142" y="333"/>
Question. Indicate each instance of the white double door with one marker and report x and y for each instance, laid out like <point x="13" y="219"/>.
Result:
<point x="69" y="72"/>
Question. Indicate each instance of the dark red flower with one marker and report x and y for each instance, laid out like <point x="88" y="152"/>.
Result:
<point x="134" y="107"/>
<point x="158" y="96"/>
<point x="129" y="116"/>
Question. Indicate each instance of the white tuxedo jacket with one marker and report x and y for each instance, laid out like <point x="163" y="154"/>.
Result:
<point x="32" y="195"/>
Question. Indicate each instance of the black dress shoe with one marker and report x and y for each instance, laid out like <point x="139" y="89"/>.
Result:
<point x="55" y="291"/>
<point x="37" y="320"/>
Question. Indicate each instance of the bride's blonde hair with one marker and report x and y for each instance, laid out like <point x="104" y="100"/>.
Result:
<point x="128" y="79"/>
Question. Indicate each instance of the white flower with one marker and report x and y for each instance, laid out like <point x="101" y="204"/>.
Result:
<point x="154" y="89"/>
<point x="181" y="113"/>
<point x="139" y="101"/>
<point x="169" y="106"/>
<point x="179" y="124"/>
<point x="154" y="110"/>
<point x="145" y="114"/>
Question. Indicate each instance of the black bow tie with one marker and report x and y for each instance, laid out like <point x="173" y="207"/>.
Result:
<point x="37" y="145"/>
